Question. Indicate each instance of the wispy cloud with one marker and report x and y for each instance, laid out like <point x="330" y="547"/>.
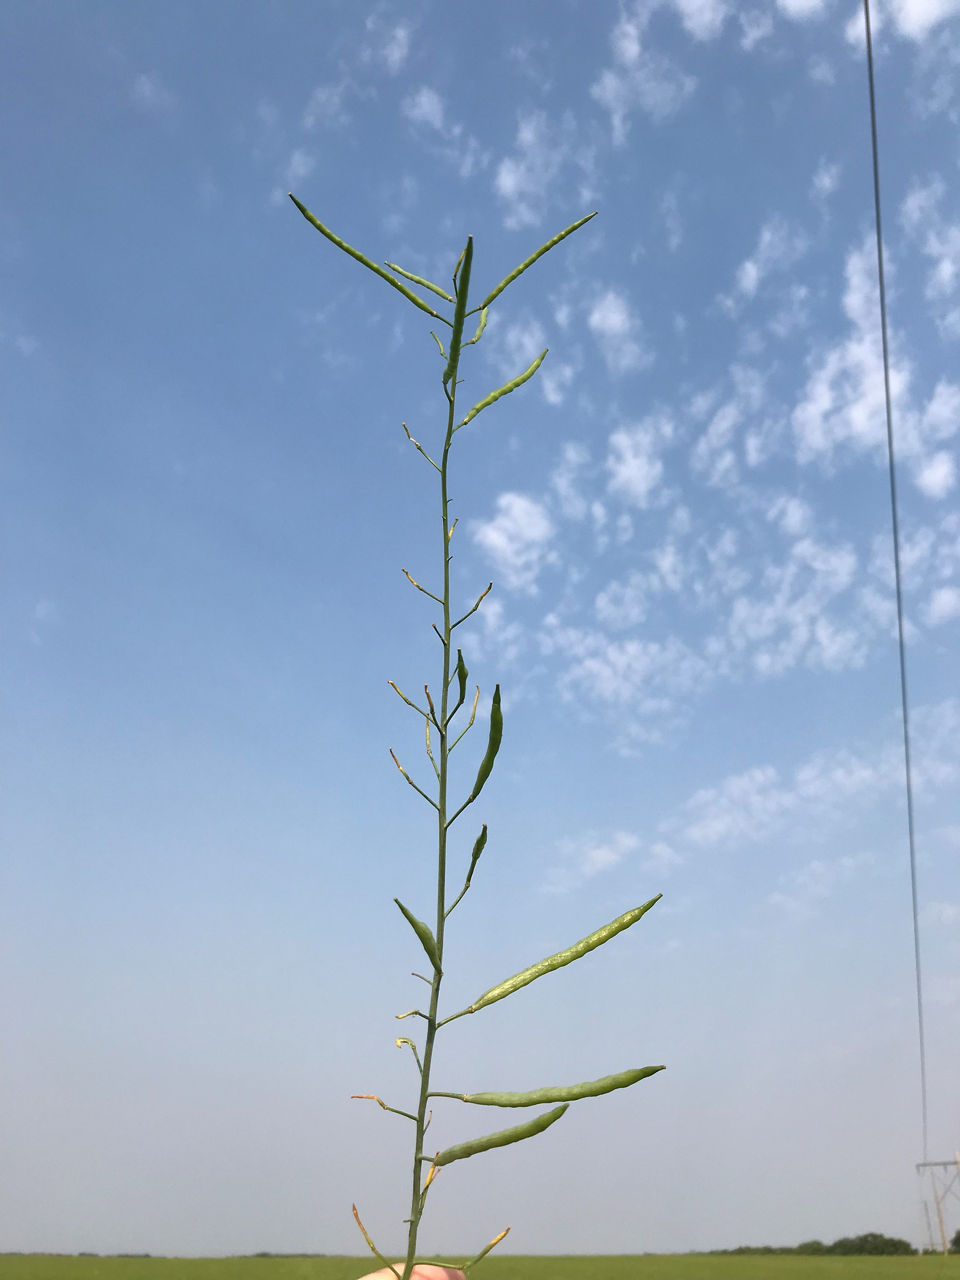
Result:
<point x="151" y="95"/>
<point x="427" y="111"/>
<point x="544" y="149"/>
<point x="634" y="461"/>
<point x="842" y="407"/>
<point x="619" y="333"/>
<point x="939" y="240"/>
<point x="425" y="106"/>
<point x="586" y="857"/>
<point x="326" y="105"/>
<point x="518" y="540"/>
<point x="915" y="19"/>
<point x="778" y="247"/>
<point x="760" y="803"/>
<point x="639" y="79"/>
<point x="388" y="43"/>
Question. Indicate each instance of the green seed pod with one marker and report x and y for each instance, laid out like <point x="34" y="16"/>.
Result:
<point x="480" y="328"/>
<point x="501" y="1139"/>
<point x="562" y="958"/>
<point x="422" y="931"/>
<point x="478" y="847"/>
<point x="463" y="288"/>
<point x="355" y="253"/>
<point x="569" y="1093"/>
<point x="544" y="248"/>
<point x="505" y="390"/>
<point x="427" y="284"/>
<point x="493" y="745"/>
<point x="462" y="674"/>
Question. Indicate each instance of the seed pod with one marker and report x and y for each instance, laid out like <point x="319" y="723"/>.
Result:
<point x="505" y="390"/>
<point x="569" y="1093"/>
<point x="544" y="248"/>
<point x="427" y="284"/>
<point x="463" y="288"/>
<point x="355" y="253"/>
<point x="493" y="745"/>
<point x="462" y="674"/>
<point x="562" y="958"/>
<point x="503" y="1138"/>
<point x="481" y="840"/>
<point x="422" y="931"/>
<point x="480" y="328"/>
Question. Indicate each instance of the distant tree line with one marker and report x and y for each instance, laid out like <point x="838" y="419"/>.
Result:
<point x="870" y="1243"/>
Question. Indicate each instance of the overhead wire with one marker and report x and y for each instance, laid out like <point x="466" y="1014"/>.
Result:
<point x="898" y="577"/>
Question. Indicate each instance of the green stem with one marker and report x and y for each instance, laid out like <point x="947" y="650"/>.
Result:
<point x="416" y="1204"/>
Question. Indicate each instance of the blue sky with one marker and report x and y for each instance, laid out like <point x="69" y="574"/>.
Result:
<point x="208" y="499"/>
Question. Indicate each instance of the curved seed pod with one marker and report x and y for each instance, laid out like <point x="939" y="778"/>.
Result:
<point x="569" y="1093"/>
<point x="544" y="248"/>
<point x="493" y="745"/>
<point x="463" y="288"/>
<point x="502" y="1138"/>
<point x="427" y="284"/>
<point x="355" y="253"/>
<point x="478" y="847"/>
<point x="505" y="390"/>
<point x="480" y="328"/>
<point x="557" y="961"/>
<point x="462" y="674"/>
<point x="422" y="931"/>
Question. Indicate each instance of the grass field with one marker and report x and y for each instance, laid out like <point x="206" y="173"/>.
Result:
<point x="38" y="1266"/>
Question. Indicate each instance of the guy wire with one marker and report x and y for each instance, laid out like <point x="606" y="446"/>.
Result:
<point x="897" y="575"/>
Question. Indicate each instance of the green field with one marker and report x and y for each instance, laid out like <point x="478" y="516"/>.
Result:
<point x="653" y="1267"/>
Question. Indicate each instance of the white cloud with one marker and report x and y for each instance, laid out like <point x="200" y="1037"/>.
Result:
<point x="788" y="624"/>
<point x="817" y="881"/>
<point x="843" y="406"/>
<point x="298" y="167"/>
<point x="587" y="857"/>
<point x="825" y="181"/>
<point x="714" y="455"/>
<point x="544" y="148"/>
<point x="150" y="94"/>
<point x="943" y="912"/>
<point x="801" y="10"/>
<point x="762" y="804"/>
<point x="703" y="19"/>
<point x="634" y="463"/>
<point x="779" y="246"/>
<point x="939" y="241"/>
<point x="638" y="681"/>
<point x="937" y="475"/>
<point x="917" y="18"/>
<point x="325" y="106"/>
<point x="565" y="478"/>
<point x="755" y="25"/>
<point x="640" y="79"/>
<point x="425" y="107"/>
<point x="821" y="71"/>
<point x="518" y="539"/>
<point x="944" y="606"/>
<point x="395" y="47"/>
<point x="670" y="210"/>
<point x="792" y="514"/>
<point x="937" y="75"/>
<point x="617" y="329"/>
